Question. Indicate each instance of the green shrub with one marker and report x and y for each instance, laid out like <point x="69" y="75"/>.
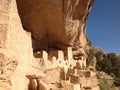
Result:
<point x="91" y="55"/>
<point x="109" y="64"/>
<point x="104" y="85"/>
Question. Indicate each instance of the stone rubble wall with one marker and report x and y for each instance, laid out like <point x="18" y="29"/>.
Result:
<point x="14" y="42"/>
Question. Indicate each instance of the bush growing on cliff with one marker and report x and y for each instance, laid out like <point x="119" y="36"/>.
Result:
<point x="116" y="64"/>
<point x="104" y="85"/>
<point x="109" y="63"/>
<point x="105" y="65"/>
<point x="91" y="55"/>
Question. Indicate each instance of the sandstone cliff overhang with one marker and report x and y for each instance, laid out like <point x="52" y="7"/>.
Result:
<point x="55" y="24"/>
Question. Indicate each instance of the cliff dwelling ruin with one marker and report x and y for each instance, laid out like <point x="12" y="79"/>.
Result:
<point x="43" y="45"/>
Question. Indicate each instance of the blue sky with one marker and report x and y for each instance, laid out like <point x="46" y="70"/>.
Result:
<point x="103" y="27"/>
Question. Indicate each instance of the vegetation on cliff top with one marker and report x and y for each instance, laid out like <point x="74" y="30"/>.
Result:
<point x="108" y="63"/>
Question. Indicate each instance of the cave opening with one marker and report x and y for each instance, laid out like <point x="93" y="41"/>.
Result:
<point x="46" y="26"/>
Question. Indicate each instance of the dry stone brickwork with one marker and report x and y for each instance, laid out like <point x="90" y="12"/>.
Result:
<point x="3" y="34"/>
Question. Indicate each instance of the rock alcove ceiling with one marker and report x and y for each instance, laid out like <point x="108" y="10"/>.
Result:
<point x="55" y="24"/>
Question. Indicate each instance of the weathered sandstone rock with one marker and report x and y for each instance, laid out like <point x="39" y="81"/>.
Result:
<point x="15" y="48"/>
<point x="55" y="24"/>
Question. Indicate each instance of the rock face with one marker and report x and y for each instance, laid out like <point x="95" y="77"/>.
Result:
<point x="55" y="24"/>
<point x="15" y="48"/>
